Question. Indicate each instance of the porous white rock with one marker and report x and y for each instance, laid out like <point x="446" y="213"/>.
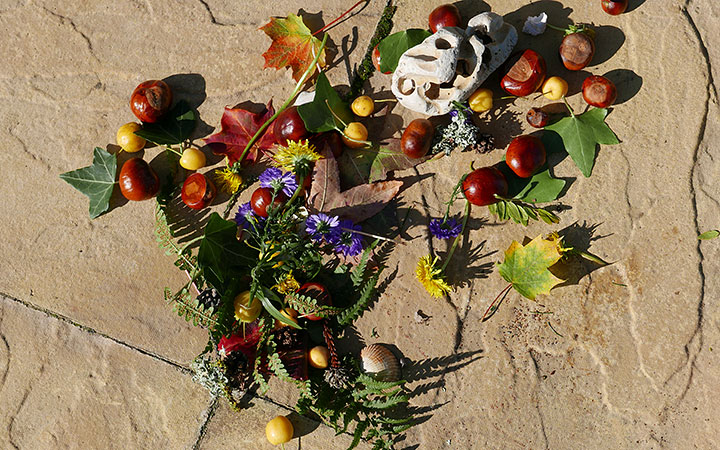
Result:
<point x="451" y="64"/>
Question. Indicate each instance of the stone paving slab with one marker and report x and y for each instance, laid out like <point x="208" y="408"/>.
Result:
<point x="628" y="361"/>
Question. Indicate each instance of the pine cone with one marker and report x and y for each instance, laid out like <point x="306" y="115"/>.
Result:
<point x="338" y="377"/>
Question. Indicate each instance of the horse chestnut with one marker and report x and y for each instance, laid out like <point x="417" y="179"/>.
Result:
<point x="151" y="100"/>
<point x="137" y="180"/>
<point x="417" y="138"/>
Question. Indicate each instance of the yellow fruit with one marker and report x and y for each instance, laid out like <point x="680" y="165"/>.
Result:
<point x="363" y="106"/>
<point x="128" y="140"/>
<point x="288" y="313"/>
<point x="354" y="132"/>
<point x="279" y="430"/>
<point x="244" y="310"/>
<point x="481" y="100"/>
<point x="554" y="88"/>
<point x="319" y="357"/>
<point x="192" y="159"/>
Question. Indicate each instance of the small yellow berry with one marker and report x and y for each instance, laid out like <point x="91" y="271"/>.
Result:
<point x="363" y="106"/>
<point x="244" y="310"/>
<point x="554" y="88"/>
<point x="128" y="140"/>
<point x="319" y="357"/>
<point x="481" y="100"/>
<point x="279" y="430"/>
<point x="192" y="159"/>
<point x="353" y="133"/>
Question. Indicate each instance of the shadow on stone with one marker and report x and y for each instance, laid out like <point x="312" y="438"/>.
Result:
<point x="575" y="267"/>
<point x="627" y="82"/>
<point x="191" y="88"/>
<point x="610" y="40"/>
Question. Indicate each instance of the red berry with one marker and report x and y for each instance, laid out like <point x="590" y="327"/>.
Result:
<point x="262" y="198"/>
<point x="614" y="7"/>
<point x="151" y="100"/>
<point x="481" y="186"/>
<point x="289" y="126"/>
<point x="537" y="118"/>
<point x="417" y="138"/>
<point x="576" y="51"/>
<point x="525" y="155"/>
<point x="599" y="91"/>
<point x="444" y="16"/>
<point x="197" y="191"/>
<point x="376" y="60"/>
<point x="318" y="292"/>
<point x="526" y="75"/>
<point x="137" y="180"/>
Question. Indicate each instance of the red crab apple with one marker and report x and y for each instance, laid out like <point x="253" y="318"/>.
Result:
<point x="614" y="7"/>
<point x="289" y="126"/>
<point x="198" y="191"/>
<point x="318" y="292"/>
<point x="137" y="180"/>
<point x="262" y="198"/>
<point x="598" y="91"/>
<point x="151" y="100"/>
<point x="525" y="155"/>
<point x="526" y="75"/>
<point x="444" y="16"/>
<point x="481" y="186"/>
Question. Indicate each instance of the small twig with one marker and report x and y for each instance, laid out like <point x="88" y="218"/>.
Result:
<point x="367" y="234"/>
<point x="554" y="330"/>
<point x="492" y="310"/>
<point x="329" y="25"/>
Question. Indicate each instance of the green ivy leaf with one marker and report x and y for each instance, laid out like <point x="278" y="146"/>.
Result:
<point x="582" y="133"/>
<point x="173" y="129"/>
<point x="712" y="234"/>
<point x="317" y="115"/>
<point x="95" y="181"/>
<point x="392" y="47"/>
<point x="221" y="254"/>
<point x="542" y="188"/>
<point x="526" y="267"/>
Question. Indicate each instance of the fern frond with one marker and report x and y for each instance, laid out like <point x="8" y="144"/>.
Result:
<point x="367" y="295"/>
<point x="357" y="275"/>
<point x="189" y="308"/>
<point x="304" y="304"/>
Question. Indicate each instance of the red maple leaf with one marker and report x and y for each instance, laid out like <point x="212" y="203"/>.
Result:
<point x="237" y="127"/>
<point x="293" y="45"/>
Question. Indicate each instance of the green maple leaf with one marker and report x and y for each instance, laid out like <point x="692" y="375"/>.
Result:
<point x="582" y="133"/>
<point x="526" y="266"/>
<point x="293" y="45"/>
<point x="95" y="181"/>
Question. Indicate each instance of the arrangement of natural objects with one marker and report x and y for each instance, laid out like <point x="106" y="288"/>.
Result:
<point x="277" y="279"/>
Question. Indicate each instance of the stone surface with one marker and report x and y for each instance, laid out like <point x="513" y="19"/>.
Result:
<point x="621" y="357"/>
<point x="64" y="387"/>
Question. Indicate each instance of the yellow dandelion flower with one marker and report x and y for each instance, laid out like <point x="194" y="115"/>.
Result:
<point x="228" y="180"/>
<point x="297" y="157"/>
<point x="431" y="278"/>
<point x="558" y="241"/>
<point x="289" y="284"/>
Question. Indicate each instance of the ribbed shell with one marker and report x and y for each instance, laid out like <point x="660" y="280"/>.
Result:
<point x="378" y="361"/>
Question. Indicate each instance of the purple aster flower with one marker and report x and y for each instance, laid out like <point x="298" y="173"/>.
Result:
<point x="321" y="226"/>
<point x="453" y="113"/>
<point x="445" y="229"/>
<point x="349" y="243"/>
<point x="245" y="216"/>
<point x="274" y="178"/>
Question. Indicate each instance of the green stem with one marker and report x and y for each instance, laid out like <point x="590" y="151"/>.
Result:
<point x="363" y="233"/>
<point x="458" y="237"/>
<point x="572" y="113"/>
<point x="492" y="310"/>
<point x="556" y="28"/>
<point x="173" y="150"/>
<point x="298" y="87"/>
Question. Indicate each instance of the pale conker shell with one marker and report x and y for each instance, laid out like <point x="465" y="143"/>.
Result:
<point x="379" y="361"/>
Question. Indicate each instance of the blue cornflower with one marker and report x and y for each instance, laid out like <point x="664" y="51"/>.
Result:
<point x="274" y="178"/>
<point x="321" y="226"/>
<point x="245" y="216"/>
<point x="349" y="243"/>
<point x="445" y="229"/>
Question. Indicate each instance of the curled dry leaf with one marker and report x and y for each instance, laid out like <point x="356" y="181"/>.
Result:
<point x="357" y="203"/>
<point x="238" y="126"/>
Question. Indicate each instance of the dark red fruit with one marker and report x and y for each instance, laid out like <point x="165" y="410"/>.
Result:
<point x="482" y="185"/>
<point x="526" y="75"/>
<point x="289" y="126"/>
<point x="417" y="138"/>
<point x="198" y="191"/>
<point x="614" y="7"/>
<point x="376" y="60"/>
<point x="537" y="118"/>
<point x="576" y="51"/>
<point x="262" y="198"/>
<point x="332" y="139"/>
<point x="525" y="155"/>
<point x="444" y="16"/>
<point x="151" y="100"/>
<point x="599" y="91"/>
<point x="137" y="180"/>
<point x="318" y="292"/>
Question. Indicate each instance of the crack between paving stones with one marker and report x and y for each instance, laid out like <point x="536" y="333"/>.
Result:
<point x="694" y="345"/>
<point x="537" y="398"/>
<point x="213" y="19"/>
<point x="92" y="331"/>
<point x="63" y="20"/>
<point x="209" y="414"/>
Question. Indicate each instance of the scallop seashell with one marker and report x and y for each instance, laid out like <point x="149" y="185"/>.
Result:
<point x="379" y="361"/>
